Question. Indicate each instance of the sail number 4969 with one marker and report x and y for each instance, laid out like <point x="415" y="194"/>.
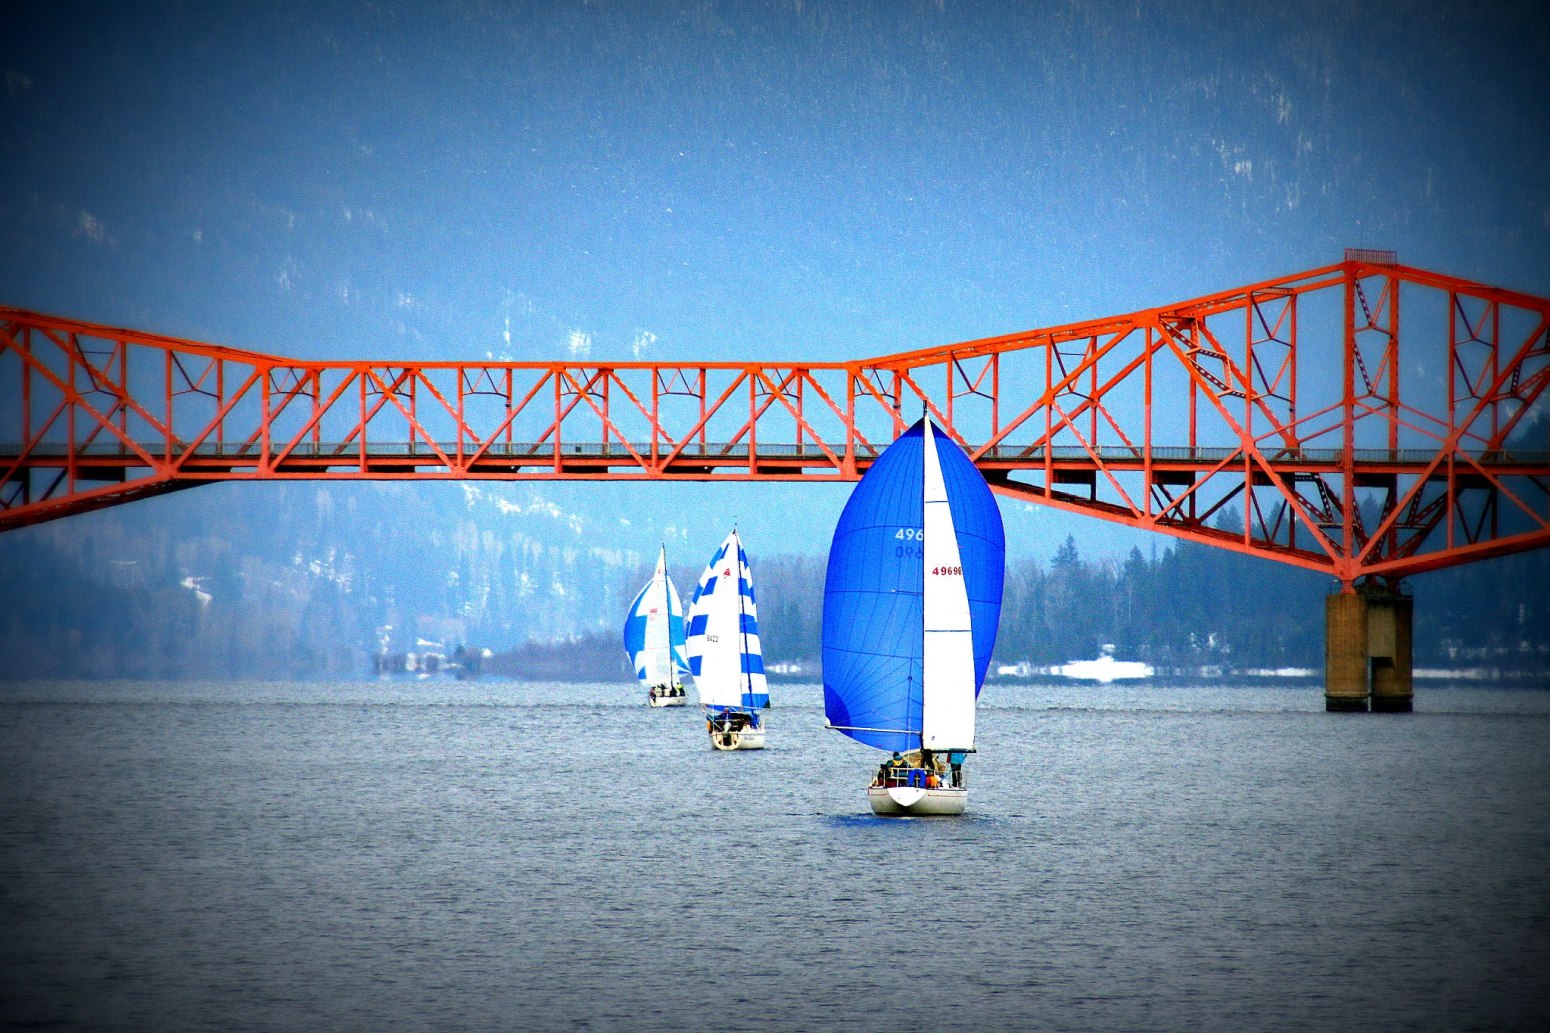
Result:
<point x="948" y="570"/>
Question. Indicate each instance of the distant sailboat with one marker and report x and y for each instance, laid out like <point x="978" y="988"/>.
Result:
<point x="911" y="604"/>
<point x="724" y="653"/>
<point x="654" y="638"/>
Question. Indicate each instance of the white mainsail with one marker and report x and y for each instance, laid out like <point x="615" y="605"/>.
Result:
<point x="947" y="710"/>
<point x="659" y="650"/>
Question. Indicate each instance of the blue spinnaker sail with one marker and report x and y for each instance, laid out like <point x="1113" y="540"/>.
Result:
<point x="635" y="634"/>
<point x="872" y="614"/>
<point x="654" y="631"/>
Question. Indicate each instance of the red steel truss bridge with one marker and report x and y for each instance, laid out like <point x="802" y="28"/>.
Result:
<point x="1365" y="419"/>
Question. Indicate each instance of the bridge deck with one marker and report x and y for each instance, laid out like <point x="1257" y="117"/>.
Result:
<point x="385" y="458"/>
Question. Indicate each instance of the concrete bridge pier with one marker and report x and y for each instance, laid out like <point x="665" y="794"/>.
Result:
<point x="1367" y="651"/>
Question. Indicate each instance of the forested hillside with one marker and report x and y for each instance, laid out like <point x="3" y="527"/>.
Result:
<point x="306" y="582"/>
<point x="285" y="592"/>
<point x="1189" y="605"/>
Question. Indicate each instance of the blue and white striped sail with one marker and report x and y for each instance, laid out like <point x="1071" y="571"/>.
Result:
<point x="912" y="598"/>
<point x="723" y="639"/>
<point x="654" y="631"/>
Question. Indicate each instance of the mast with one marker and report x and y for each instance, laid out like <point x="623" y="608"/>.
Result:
<point x="669" y="668"/>
<point x="662" y="575"/>
<point x="670" y="675"/>
<point x="746" y="689"/>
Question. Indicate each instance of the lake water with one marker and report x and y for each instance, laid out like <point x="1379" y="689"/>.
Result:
<point x="504" y="856"/>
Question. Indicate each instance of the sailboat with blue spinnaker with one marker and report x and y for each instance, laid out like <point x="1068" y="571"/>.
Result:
<point x="911" y="604"/>
<point x="654" y="637"/>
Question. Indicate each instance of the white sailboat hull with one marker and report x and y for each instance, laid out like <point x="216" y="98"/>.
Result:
<point x="743" y="739"/>
<point x="667" y="701"/>
<point x="916" y="801"/>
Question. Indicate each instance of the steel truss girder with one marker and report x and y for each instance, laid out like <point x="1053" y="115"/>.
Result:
<point x="1300" y="419"/>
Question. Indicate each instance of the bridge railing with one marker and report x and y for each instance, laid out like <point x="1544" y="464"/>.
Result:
<point x="738" y="452"/>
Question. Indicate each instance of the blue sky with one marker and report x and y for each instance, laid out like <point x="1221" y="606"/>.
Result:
<point x="784" y="180"/>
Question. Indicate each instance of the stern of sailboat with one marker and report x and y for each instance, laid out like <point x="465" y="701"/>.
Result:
<point x="916" y="801"/>
<point x="923" y="783"/>
<point x="740" y="730"/>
